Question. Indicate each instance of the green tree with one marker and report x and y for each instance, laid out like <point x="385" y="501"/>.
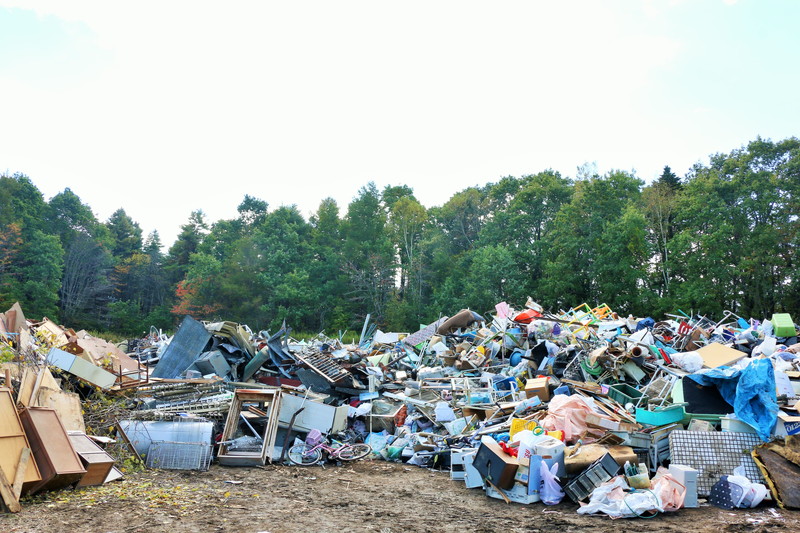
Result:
<point x="572" y="268"/>
<point x="22" y="203"/>
<point x="368" y="254"/>
<point x="734" y="221"/>
<point x="523" y="219"/>
<point x="326" y="268"/>
<point x="187" y="243"/>
<point x="39" y="275"/>
<point x="669" y="179"/>
<point x="126" y="235"/>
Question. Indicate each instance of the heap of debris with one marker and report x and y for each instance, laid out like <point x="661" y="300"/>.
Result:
<point x="527" y="405"/>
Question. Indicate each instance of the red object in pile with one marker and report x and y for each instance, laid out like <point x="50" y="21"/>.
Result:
<point x="510" y="450"/>
<point x="527" y="316"/>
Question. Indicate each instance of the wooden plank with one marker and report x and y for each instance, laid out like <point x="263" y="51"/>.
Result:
<point x="22" y="467"/>
<point x="128" y="442"/>
<point x="7" y="494"/>
<point x="715" y="355"/>
<point x="38" y="383"/>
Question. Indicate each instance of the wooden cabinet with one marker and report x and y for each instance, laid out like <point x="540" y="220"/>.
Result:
<point x="52" y="449"/>
<point x="12" y="442"/>
<point x="95" y="460"/>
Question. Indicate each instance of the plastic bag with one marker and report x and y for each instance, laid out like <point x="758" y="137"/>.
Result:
<point x="568" y="414"/>
<point x="444" y="413"/>
<point x="688" y="361"/>
<point x="752" y="493"/>
<point x="671" y="492"/>
<point x="550" y="491"/>
<point x="612" y="498"/>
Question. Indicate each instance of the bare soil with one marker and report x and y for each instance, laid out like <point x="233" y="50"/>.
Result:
<point x="365" y="496"/>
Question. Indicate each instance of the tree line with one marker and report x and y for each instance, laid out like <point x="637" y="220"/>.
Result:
<point x="722" y="237"/>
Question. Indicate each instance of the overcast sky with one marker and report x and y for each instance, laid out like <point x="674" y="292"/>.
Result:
<point x="166" y="107"/>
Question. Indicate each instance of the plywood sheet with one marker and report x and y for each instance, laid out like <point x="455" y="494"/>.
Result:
<point x="15" y="319"/>
<point x="715" y="355"/>
<point x="28" y="383"/>
<point x="103" y="353"/>
<point x="54" y="333"/>
<point x="66" y="404"/>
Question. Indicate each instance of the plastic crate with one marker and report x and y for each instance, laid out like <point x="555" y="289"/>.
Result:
<point x="783" y="325"/>
<point x="623" y="394"/>
<point x="314" y="437"/>
<point x="660" y="417"/>
<point x="595" y="475"/>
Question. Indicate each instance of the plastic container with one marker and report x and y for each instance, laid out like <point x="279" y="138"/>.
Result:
<point x="660" y="417"/>
<point x="563" y="389"/>
<point x="623" y="393"/>
<point x="783" y="325"/>
<point x="634" y="439"/>
<point x="730" y="424"/>
<point x="552" y="452"/>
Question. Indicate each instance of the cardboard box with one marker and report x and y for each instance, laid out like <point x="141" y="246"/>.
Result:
<point x="494" y="464"/>
<point x="538" y="387"/>
<point x="787" y="425"/>
<point x="602" y="422"/>
<point x="590" y="453"/>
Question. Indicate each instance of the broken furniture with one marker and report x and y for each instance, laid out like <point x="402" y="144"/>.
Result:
<point x="52" y="449"/>
<point x="13" y="444"/>
<point x="242" y="443"/>
<point x="96" y="461"/>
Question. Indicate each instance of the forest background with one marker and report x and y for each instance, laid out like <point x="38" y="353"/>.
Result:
<point x="722" y="237"/>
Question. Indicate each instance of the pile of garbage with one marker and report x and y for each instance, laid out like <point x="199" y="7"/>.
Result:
<point x="627" y="415"/>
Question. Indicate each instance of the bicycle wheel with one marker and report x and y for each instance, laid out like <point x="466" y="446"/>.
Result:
<point x="355" y="452"/>
<point x="302" y="455"/>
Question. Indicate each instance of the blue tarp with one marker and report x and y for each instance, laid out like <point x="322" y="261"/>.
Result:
<point x="751" y="392"/>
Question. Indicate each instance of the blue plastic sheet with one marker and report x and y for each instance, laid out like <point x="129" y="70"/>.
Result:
<point x="751" y="392"/>
<point x="645" y="323"/>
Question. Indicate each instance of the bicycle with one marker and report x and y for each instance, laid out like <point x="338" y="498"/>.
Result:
<point x="315" y="446"/>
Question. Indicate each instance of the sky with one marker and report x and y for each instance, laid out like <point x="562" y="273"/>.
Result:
<point x="166" y="107"/>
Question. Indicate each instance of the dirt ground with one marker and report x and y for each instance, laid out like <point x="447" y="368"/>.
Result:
<point x="365" y="496"/>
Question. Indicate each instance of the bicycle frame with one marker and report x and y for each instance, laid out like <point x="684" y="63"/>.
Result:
<point x="333" y="453"/>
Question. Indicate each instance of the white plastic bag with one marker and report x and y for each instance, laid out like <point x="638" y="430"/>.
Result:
<point x="550" y="491"/>
<point x="612" y="498"/>
<point x="444" y="413"/>
<point x="752" y="493"/>
<point x="688" y="361"/>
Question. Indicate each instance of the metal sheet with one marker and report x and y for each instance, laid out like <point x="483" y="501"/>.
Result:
<point x="80" y="368"/>
<point x="143" y="433"/>
<point x="187" y="345"/>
